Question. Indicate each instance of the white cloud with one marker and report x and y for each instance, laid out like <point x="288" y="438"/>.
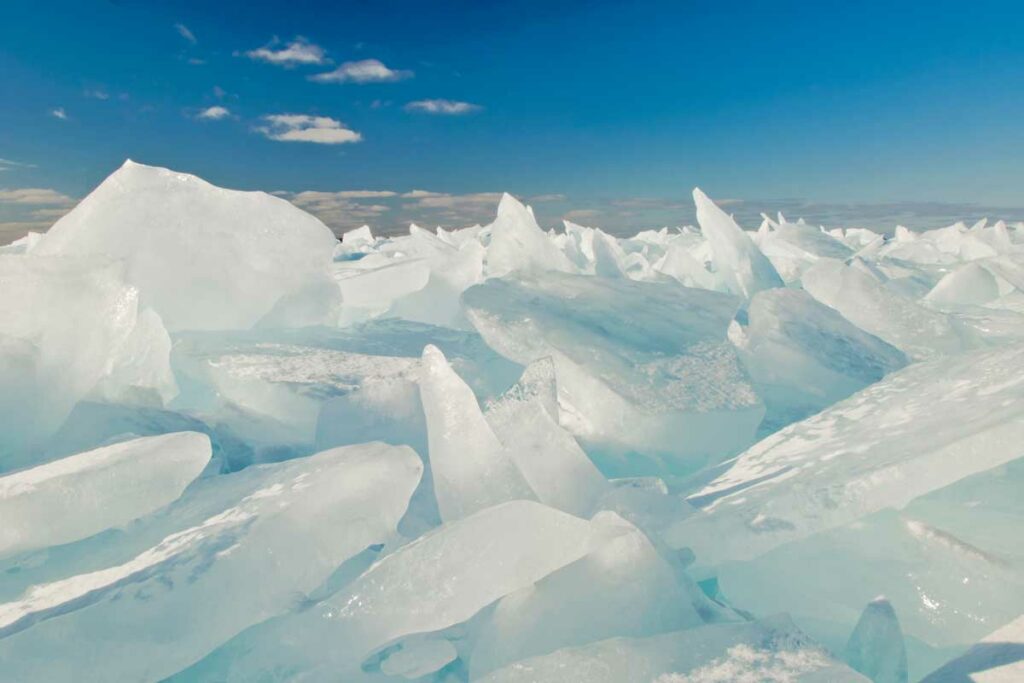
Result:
<point x="299" y="51"/>
<point x="321" y="130"/>
<point x="35" y="196"/>
<point x="457" y="202"/>
<point x="214" y="113"/>
<point x="185" y="33"/>
<point x="59" y="113"/>
<point x="554" y="197"/>
<point x="97" y="94"/>
<point x="418" y="194"/>
<point x="446" y="107"/>
<point x="363" y="71"/>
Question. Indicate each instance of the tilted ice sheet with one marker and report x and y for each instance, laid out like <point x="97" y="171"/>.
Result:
<point x="201" y="256"/>
<point x="996" y="658"/>
<point x="919" y="429"/>
<point x="439" y="580"/>
<point x="276" y="534"/>
<point x="83" y="494"/>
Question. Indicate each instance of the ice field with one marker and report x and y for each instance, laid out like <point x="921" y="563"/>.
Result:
<point x="235" y="449"/>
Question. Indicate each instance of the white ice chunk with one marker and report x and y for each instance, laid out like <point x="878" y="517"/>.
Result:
<point x="471" y="468"/>
<point x="737" y="259"/>
<point x="201" y="256"/>
<point x="201" y="585"/>
<point x="66" y="326"/>
<point x="970" y="284"/>
<point x="917" y="430"/>
<point x="81" y="495"/>
<point x="518" y="244"/>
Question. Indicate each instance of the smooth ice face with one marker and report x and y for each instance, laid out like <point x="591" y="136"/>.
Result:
<point x="738" y="261"/>
<point x="803" y="356"/>
<point x="769" y="650"/>
<point x="919" y="429"/>
<point x="277" y="533"/>
<point x="204" y="258"/>
<point x="471" y="468"/>
<point x="525" y="420"/>
<point x="70" y="327"/>
<point x="622" y="588"/>
<point x="876" y="646"/>
<point x="969" y="285"/>
<point x="81" y="495"/>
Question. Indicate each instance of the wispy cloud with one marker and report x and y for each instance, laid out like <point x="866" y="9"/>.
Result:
<point x="298" y="51"/>
<point x="214" y="113"/>
<point x="59" y="113"/>
<point x="363" y="71"/>
<point x="321" y="130"/>
<point x="97" y="94"/>
<point x="36" y="196"/>
<point x="444" y="107"/>
<point x="8" y="164"/>
<point x="185" y="33"/>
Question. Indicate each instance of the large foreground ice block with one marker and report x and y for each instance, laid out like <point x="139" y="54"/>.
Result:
<point x="471" y="468"/>
<point x="83" y="494"/>
<point x="142" y="605"/>
<point x="201" y="256"/>
<point x="868" y="304"/>
<point x="68" y="325"/>
<point x="769" y="650"/>
<point x="441" y="579"/>
<point x="738" y="262"/>
<point x="641" y="367"/>
<point x="876" y="647"/>
<point x="803" y="356"/>
<point x="919" y="429"/>
<point x="623" y="588"/>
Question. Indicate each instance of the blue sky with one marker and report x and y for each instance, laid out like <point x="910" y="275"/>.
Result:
<point x="609" y="112"/>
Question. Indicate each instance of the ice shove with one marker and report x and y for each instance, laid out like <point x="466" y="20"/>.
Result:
<point x="802" y="356"/>
<point x="767" y="650"/>
<point x="623" y="588"/>
<point x="471" y="468"/>
<point x="83" y="494"/>
<point x="69" y="328"/>
<point x="275" y="533"/>
<point x="738" y="261"/>
<point x="641" y="367"/>
<point x="917" y="430"/>
<point x="970" y="284"/>
<point x="203" y="257"/>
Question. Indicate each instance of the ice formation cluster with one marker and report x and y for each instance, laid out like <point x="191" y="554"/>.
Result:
<point x="235" y="449"/>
